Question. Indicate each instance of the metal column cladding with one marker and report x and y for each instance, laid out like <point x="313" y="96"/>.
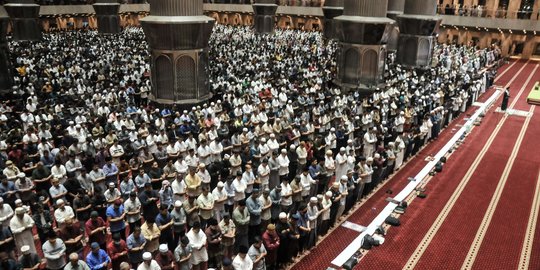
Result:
<point x="362" y="33"/>
<point x="6" y="76"/>
<point x="418" y="27"/>
<point x="264" y="15"/>
<point x="24" y="15"/>
<point x="177" y="33"/>
<point x="108" y="20"/>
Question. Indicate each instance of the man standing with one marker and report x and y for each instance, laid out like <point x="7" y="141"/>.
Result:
<point x="75" y="263"/>
<point x="96" y="229"/>
<point x="54" y="251"/>
<point x="257" y="254"/>
<point x="197" y="239"/>
<point x="117" y="250"/>
<point x="29" y="260"/>
<point x="148" y="263"/>
<point x="135" y="244"/>
<point x="115" y="217"/>
<point x="242" y="261"/>
<point x="21" y="226"/>
<point x="97" y="259"/>
<point x="254" y="207"/>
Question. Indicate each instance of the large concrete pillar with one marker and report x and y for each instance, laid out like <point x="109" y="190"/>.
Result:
<point x="177" y="33"/>
<point x="24" y="16"/>
<point x="6" y="78"/>
<point x="418" y="27"/>
<point x="363" y="34"/>
<point x="395" y="8"/>
<point x="331" y="9"/>
<point x="108" y="20"/>
<point x="264" y="15"/>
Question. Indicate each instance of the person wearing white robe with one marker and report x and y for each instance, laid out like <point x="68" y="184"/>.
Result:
<point x="341" y="163"/>
<point x="179" y="189"/>
<point x="21" y="226"/>
<point x="284" y="162"/>
<point x="197" y="240"/>
<point x="370" y="139"/>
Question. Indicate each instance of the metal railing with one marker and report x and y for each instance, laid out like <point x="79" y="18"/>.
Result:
<point x="501" y="13"/>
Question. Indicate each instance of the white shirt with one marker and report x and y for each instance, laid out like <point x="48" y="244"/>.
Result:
<point x="61" y="216"/>
<point x="283" y="161"/>
<point x="153" y="266"/>
<point x="242" y="264"/>
<point x="197" y="241"/>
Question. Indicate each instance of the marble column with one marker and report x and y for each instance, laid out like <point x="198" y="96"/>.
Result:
<point x="6" y="77"/>
<point x="24" y="15"/>
<point x="177" y="33"/>
<point x="331" y="9"/>
<point x="362" y="34"/>
<point x="108" y="20"/>
<point x="264" y="15"/>
<point x="418" y="28"/>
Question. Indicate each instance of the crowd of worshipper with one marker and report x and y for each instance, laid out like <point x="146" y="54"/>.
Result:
<point x="95" y="175"/>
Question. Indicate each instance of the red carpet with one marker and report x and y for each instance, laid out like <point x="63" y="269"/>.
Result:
<point x="394" y="255"/>
<point x="502" y="243"/>
<point x="463" y="221"/>
<point x="329" y="248"/>
<point x="401" y="242"/>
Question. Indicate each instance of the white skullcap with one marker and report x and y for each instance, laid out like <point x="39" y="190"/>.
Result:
<point x="329" y="152"/>
<point x="282" y="215"/>
<point x="21" y="175"/>
<point x="227" y="156"/>
<point x="19" y="210"/>
<point x="342" y="149"/>
<point x="163" y="248"/>
<point x="377" y="155"/>
<point x="332" y="129"/>
<point x="147" y="256"/>
<point x="25" y="248"/>
<point x="344" y="177"/>
<point x="59" y="201"/>
<point x="284" y="151"/>
<point x="18" y="201"/>
<point x="369" y="159"/>
<point x="245" y="130"/>
<point x="293" y="146"/>
<point x="178" y="203"/>
<point x="328" y="193"/>
<point x="391" y="143"/>
<point x="349" y="141"/>
<point x="220" y="184"/>
<point x="71" y="122"/>
<point x="313" y="199"/>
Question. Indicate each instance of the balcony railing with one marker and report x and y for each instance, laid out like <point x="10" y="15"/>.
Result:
<point x="501" y="13"/>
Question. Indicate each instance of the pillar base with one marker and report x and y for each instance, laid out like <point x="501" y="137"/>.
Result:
<point x="415" y="51"/>
<point x="360" y="67"/>
<point x="179" y="77"/>
<point x="416" y="39"/>
<point x="179" y="56"/>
